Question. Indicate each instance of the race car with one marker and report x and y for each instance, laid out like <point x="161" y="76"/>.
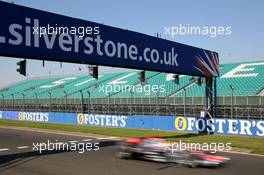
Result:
<point x="149" y="148"/>
<point x="159" y="150"/>
<point x="201" y="158"/>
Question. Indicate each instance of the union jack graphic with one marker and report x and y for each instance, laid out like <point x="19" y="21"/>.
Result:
<point x="208" y="64"/>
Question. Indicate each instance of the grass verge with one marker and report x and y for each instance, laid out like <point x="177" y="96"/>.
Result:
<point x="255" y="144"/>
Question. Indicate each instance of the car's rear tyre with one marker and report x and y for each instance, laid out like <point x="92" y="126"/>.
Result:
<point x="190" y="164"/>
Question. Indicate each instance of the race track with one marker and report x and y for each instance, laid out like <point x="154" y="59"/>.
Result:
<point x="17" y="157"/>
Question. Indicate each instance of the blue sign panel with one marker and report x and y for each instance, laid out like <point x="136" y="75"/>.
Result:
<point x="165" y="123"/>
<point x="35" y="34"/>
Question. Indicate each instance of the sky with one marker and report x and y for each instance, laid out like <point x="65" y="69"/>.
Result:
<point x="245" y="43"/>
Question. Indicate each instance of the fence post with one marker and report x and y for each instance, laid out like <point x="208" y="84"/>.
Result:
<point x="232" y="94"/>
<point x="3" y="103"/>
<point x="50" y="101"/>
<point x="184" y="102"/>
<point x="89" y="102"/>
<point x="108" y="99"/>
<point x="157" y="103"/>
<point x="131" y="96"/>
<point x="247" y="100"/>
<point x="66" y="100"/>
<point x="23" y="101"/>
<point x="36" y="99"/>
<point x="13" y="100"/>
<point x="81" y="101"/>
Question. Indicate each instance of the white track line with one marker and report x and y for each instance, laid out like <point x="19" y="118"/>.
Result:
<point x="22" y="147"/>
<point x="87" y="140"/>
<point x="101" y="138"/>
<point x="112" y="138"/>
<point x="73" y="141"/>
<point x="107" y="138"/>
<point x="4" y="149"/>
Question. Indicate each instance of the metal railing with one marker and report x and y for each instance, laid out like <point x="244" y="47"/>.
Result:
<point x="238" y="107"/>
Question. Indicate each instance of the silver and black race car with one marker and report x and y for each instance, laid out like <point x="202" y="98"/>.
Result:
<point x="159" y="150"/>
<point x="145" y="148"/>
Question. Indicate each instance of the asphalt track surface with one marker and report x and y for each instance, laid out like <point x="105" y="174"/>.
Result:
<point x="17" y="157"/>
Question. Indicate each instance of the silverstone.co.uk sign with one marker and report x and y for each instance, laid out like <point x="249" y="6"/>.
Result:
<point x="168" y="123"/>
<point x="36" y="34"/>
